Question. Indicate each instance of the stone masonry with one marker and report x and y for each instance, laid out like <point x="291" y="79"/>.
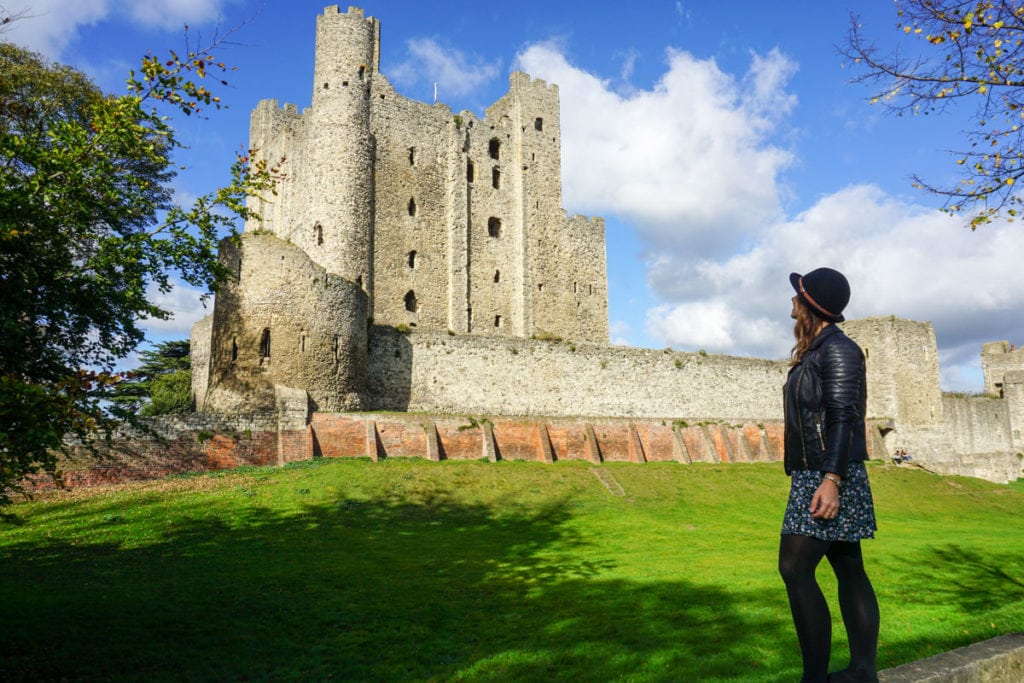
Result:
<point x="417" y="260"/>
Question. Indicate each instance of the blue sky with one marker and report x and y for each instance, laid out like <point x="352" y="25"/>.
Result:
<point x="723" y="143"/>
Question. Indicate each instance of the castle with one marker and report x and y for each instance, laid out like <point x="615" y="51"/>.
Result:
<point x="416" y="260"/>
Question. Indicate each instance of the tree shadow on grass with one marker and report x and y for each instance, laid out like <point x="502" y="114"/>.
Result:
<point x="975" y="584"/>
<point x="355" y="590"/>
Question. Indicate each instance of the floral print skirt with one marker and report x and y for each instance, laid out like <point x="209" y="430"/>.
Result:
<point x="856" y="517"/>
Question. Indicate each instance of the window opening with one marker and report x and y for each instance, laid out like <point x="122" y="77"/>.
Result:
<point x="412" y="156"/>
<point x="540" y="287"/>
<point x="410" y="301"/>
<point x="319" y="234"/>
<point x="412" y="206"/>
<point x="538" y="123"/>
<point x="238" y="273"/>
<point x="496" y="179"/>
<point x="344" y="83"/>
<point x="497" y="321"/>
<point x="327" y="86"/>
<point x="362" y="73"/>
<point x="302" y="343"/>
<point x="469" y="171"/>
<point x="575" y="288"/>
<point x="234" y="348"/>
<point x="265" y="343"/>
<point x="494" y="148"/>
<point x="336" y="347"/>
<point x="493" y="227"/>
<point x="412" y="258"/>
<point x="497" y="276"/>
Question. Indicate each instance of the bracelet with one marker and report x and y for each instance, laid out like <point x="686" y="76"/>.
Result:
<point x="834" y="479"/>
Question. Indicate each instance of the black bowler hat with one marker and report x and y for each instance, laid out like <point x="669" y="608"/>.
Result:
<point x="824" y="290"/>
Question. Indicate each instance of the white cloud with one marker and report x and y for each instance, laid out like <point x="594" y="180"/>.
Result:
<point x="48" y="26"/>
<point x="187" y="307"/>
<point x="687" y="162"/>
<point x="431" y="63"/>
<point x="693" y="166"/>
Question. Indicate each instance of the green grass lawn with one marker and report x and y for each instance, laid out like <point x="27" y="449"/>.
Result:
<point x="409" y="570"/>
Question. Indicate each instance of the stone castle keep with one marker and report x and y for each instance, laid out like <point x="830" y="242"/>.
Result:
<point x="419" y="261"/>
<point x="402" y="214"/>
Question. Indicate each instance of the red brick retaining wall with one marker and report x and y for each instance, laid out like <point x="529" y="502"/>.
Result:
<point x="186" y="448"/>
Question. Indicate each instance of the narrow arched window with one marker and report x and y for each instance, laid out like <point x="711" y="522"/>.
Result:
<point x="496" y="179"/>
<point x="410" y="301"/>
<point x="497" y="276"/>
<point x="265" y="343"/>
<point x="412" y="258"/>
<point x="538" y="123"/>
<point x="319" y="234"/>
<point x="412" y="156"/>
<point x="234" y="348"/>
<point x="494" y="148"/>
<point x="494" y="227"/>
<point x="412" y="206"/>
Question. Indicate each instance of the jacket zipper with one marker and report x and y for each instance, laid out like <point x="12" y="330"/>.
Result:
<point x="799" y="419"/>
<point x="821" y="437"/>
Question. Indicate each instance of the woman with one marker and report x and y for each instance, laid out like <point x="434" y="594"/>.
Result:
<point x="830" y="508"/>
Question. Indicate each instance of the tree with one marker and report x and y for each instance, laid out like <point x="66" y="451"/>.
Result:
<point x="972" y="53"/>
<point x="161" y="385"/>
<point x="88" y="229"/>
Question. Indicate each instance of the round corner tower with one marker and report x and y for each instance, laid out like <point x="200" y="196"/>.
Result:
<point x="340" y="146"/>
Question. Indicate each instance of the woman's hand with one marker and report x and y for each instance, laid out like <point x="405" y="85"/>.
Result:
<point x="825" y="503"/>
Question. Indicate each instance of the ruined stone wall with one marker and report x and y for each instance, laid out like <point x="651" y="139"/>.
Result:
<point x="1013" y="394"/>
<point x="977" y="424"/>
<point x="274" y="133"/>
<point x="997" y="359"/>
<point x="902" y="369"/>
<point x="199" y="358"/>
<point x="437" y="372"/>
<point x="413" y="208"/>
<point x="284" y="320"/>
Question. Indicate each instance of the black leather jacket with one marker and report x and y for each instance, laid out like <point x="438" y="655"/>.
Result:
<point x="825" y="398"/>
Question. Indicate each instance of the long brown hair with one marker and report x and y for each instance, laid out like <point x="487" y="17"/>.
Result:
<point x="805" y="329"/>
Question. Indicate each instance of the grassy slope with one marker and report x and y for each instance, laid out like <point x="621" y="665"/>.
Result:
<point x="407" y="570"/>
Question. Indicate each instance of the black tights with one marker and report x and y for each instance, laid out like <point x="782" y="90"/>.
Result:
<point x="798" y="558"/>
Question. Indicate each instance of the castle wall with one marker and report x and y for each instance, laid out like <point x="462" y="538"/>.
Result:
<point x="437" y="372"/>
<point x="997" y="359"/>
<point x="902" y="369"/>
<point x="977" y="424"/>
<point x="1013" y="394"/>
<point x="264" y="335"/>
<point x="413" y="205"/>
<point x="199" y="358"/>
<point x="274" y="135"/>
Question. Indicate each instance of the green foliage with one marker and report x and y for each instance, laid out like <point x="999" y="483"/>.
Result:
<point x="491" y="567"/>
<point x="169" y="393"/>
<point x="88" y="231"/>
<point x="962" y="52"/>
<point x="165" y="370"/>
<point x="543" y="335"/>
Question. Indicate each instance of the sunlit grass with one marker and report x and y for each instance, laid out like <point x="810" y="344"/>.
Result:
<point x="409" y="570"/>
